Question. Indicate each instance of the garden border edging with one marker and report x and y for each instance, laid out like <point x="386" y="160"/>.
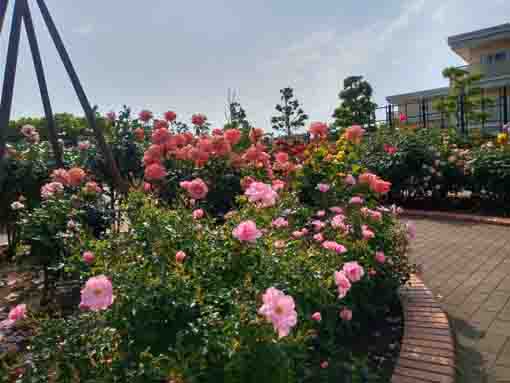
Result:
<point x="457" y="217"/>
<point x="427" y="352"/>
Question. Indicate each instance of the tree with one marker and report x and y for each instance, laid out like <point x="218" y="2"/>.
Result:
<point x="235" y="114"/>
<point x="356" y="107"/>
<point x="291" y="116"/>
<point x="465" y="101"/>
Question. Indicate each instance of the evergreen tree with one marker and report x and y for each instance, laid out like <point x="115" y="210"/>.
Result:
<point x="356" y="106"/>
<point x="291" y="116"/>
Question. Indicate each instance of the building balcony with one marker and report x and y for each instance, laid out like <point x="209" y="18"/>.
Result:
<point x="489" y="70"/>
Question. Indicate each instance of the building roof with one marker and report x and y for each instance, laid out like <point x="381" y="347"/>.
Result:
<point x="413" y="96"/>
<point x="471" y="39"/>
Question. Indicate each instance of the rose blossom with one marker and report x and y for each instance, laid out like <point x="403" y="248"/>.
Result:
<point x="356" y="200"/>
<point x="332" y="245"/>
<point x="354" y="134"/>
<point x="97" y="294"/>
<point x="233" y="136"/>
<point x="318" y="130"/>
<point x="247" y="231"/>
<point x="155" y="172"/>
<point x="180" y="256"/>
<point x="350" y="180"/>
<point x="88" y="257"/>
<point x="336" y="209"/>
<point x="160" y="136"/>
<point x="338" y="221"/>
<point x="280" y="310"/>
<point x="321" y="213"/>
<point x="147" y="187"/>
<point x="92" y="188"/>
<point x="76" y="176"/>
<point x="343" y="284"/>
<point x="353" y="271"/>
<point x="84" y="145"/>
<point x="170" y="116"/>
<point x="318" y="237"/>
<point x="281" y="157"/>
<point x="60" y="175"/>
<point x="17" y="313"/>
<point x="278" y="185"/>
<point x="50" y="189"/>
<point x="280" y="222"/>
<point x="346" y="314"/>
<point x="380" y="186"/>
<point x="380" y="257"/>
<point x="198" y="119"/>
<point x="262" y="194"/>
<point x="197" y="188"/>
<point x="324" y="364"/>
<point x="198" y="214"/>
<point x="297" y="234"/>
<point x="145" y="115"/>
<point x="367" y="233"/>
<point x="316" y="316"/>
<point x="318" y="225"/>
<point x="256" y="134"/>
<point x="323" y="188"/>
<point x="279" y="244"/>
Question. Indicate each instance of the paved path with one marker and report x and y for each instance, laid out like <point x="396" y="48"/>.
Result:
<point x="467" y="266"/>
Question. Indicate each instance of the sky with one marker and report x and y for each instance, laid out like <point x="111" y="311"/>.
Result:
<point x="185" y="55"/>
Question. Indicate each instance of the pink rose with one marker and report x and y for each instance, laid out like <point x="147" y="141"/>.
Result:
<point x="61" y="176"/>
<point x="180" y="256"/>
<point x="336" y="209"/>
<point x="279" y="244"/>
<point x="350" y="180"/>
<point x="281" y="157"/>
<point x="318" y="130"/>
<point x="155" y="172"/>
<point x="198" y="214"/>
<point x="346" y="314"/>
<point x="233" y="136"/>
<point x="318" y="225"/>
<point x="197" y="188"/>
<point x="324" y="364"/>
<point x="343" y="284"/>
<point x="198" y="119"/>
<point x="92" y="188"/>
<point x="367" y="233"/>
<point x="356" y="200"/>
<point x="332" y="245"/>
<point x="320" y="213"/>
<point x="76" y="176"/>
<point x="160" y="136"/>
<point x="261" y="194"/>
<point x="318" y="237"/>
<point x="17" y="313"/>
<point x="316" y="316"/>
<point x="147" y="187"/>
<point x="170" y="116"/>
<point x="247" y="232"/>
<point x="354" y="134"/>
<point x="380" y="186"/>
<point x="353" y="271"/>
<point x="88" y="257"/>
<point x="51" y="189"/>
<point x="280" y="222"/>
<point x="338" y="221"/>
<point x="97" y="294"/>
<point x="323" y="188"/>
<point x="280" y="310"/>
<point x="278" y="185"/>
<point x="145" y="115"/>
<point x="84" y="145"/>
<point x="380" y="257"/>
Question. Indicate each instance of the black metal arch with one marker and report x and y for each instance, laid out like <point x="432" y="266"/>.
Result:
<point x="23" y="15"/>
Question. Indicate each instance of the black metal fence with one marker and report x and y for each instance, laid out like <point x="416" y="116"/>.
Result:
<point x="423" y="114"/>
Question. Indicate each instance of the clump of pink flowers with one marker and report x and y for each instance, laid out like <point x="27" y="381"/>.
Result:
<point x="51" y="189"/>
<point x="97" y="294"/>
<point x="261" y="194"/>
<point x="336" y="247"/>
<point x="353" y="271"/>
<point x="354" y="134"/>
<point x="197" y="189"/>
<point x="343" y="283"/>
<point x="280" y="222"/>
<point x="323" y="188"/>
<point x="280" y="310"/>
<point x="17" y="313"/>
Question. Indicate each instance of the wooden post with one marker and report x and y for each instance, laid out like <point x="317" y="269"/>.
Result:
<point x="36" y="56"/>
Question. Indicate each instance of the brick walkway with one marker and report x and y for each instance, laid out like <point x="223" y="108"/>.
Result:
<point x="467" y="266"/>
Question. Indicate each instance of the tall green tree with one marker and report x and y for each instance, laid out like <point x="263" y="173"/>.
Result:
<point x="291" y="117"/>
<point x="356" y="106"/>
<point x="465" y="102"/>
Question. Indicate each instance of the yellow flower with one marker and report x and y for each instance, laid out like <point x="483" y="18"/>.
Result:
<point x="502" y="138"/>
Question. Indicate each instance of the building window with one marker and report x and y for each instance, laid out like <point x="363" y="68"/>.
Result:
<point x="495" y="58"/>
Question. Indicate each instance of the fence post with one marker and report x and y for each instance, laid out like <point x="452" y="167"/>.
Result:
<point x="390" y="116"/>
<point x="424" y="112"/>
<point x="461" y="112"/>
<point x="505" y="106"/>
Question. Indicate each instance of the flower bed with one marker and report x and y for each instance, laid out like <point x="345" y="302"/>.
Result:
<point x="443" y="170"/>
<point x="239" y="262"/>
